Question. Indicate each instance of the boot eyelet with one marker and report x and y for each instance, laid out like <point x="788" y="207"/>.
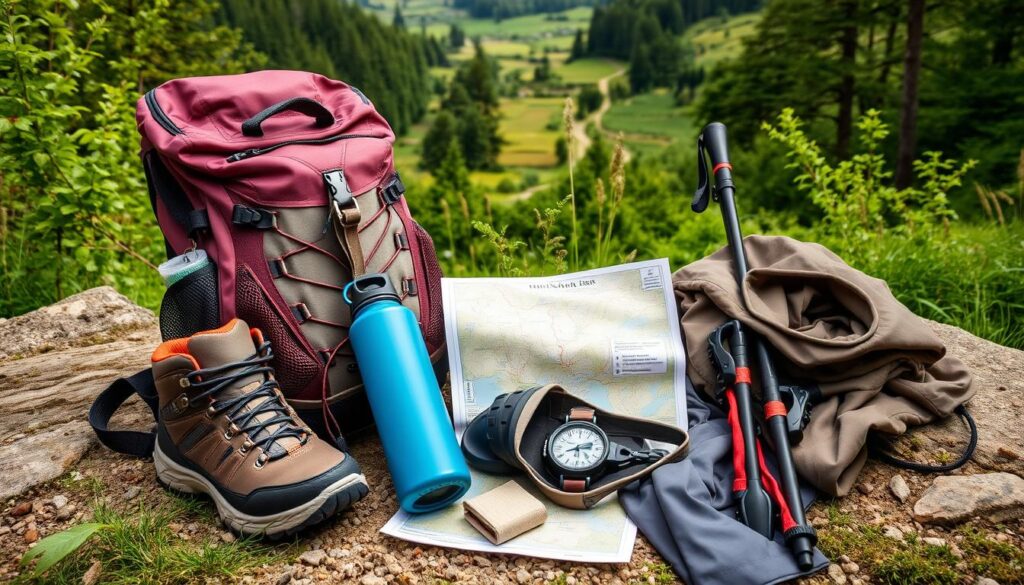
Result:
<point x="184" y="382"/>
<point x="244" y="449"/>
<point x="228" y="435"/>
<point x="260" y="461"/>
<point x="211" y="412"/>
<point x="181" y="404"/>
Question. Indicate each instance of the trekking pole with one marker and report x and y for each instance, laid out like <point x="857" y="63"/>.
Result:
<point x="800" y="536"/>
<point x="752" y="502"/>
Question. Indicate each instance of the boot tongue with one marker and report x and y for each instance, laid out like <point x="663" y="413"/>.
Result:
<point x="230" y="344"/>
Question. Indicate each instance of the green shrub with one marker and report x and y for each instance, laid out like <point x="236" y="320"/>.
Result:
<point x="857" y="200"/>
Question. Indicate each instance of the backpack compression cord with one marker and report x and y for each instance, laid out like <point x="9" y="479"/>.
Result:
<point x="800" y="536"/>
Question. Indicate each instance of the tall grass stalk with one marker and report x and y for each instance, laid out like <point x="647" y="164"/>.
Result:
<point x="446" y="211"/>
<point x="569" y="115"/>
<point x="599" y="197"/>
<point x="1020" y="186"/>
<point x="618" y="179"/>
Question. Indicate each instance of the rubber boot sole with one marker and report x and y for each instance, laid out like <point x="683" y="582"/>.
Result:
<point x="333" y="499"/>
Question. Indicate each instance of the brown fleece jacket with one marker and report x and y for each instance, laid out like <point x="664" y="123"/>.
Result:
<point x="879" y="366"/>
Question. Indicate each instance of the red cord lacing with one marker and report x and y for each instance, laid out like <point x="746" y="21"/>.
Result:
<point x="330" y="422"/>
<point x="739" y="483"/>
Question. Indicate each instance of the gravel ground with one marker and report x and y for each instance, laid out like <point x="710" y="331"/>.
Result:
<point x="349" y="549"/>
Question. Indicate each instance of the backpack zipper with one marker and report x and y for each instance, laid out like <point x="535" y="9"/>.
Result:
<point x="251" y="152"/>
<point x="158" y="114"/>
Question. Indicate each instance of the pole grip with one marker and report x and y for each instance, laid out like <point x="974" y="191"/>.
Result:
<point x="717" y="145"/>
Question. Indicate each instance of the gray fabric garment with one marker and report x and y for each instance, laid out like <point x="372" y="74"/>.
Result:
<point x="685" y="510"/>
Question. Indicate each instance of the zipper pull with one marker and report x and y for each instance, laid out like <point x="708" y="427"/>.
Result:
<point x="243" y="155"/>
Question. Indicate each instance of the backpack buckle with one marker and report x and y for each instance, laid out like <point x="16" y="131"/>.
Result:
<point x="253" y="217"/>
<point x="393" y="191"/>
<point x="343" y="201"/>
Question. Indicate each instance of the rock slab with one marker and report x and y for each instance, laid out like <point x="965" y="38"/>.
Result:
<point x="956" y="498"/>
<point x="86" y="318"/>
<point x="998" y="406"/>
<point x="53" y="363"/>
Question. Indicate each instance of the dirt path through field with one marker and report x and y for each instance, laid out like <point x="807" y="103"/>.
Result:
<point x="580" y="138"/>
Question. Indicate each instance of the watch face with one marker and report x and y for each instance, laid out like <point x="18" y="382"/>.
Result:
<point x="577" y="446"/>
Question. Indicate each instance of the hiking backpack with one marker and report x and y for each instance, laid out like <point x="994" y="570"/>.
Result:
<point x="286" y="179"/>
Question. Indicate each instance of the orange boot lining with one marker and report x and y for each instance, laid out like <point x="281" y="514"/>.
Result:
<point x="173" y="347"/>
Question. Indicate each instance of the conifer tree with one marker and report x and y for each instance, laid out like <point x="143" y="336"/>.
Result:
<point x="398" y="21"/>
<point x="456" y="37"/>
<point x="641" y="76"/>
<point x="469" y="112"/>
<point x="437" y="140"/>
<point x="578" y="48"/>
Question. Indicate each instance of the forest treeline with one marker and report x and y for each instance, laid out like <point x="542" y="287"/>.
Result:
<point x="342" y="41"/>
<point x="619" y="28"/>
<point x="947" y="77"/>
<point x="645" y="32"/>
<point x="502" y="9"/>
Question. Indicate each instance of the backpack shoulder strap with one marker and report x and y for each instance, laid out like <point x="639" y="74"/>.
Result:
<point x="138" y="443"/>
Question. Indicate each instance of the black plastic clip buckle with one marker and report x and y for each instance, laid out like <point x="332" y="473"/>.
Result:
<point x="345" y="206"/>
<point x="253" y="217"/>
<point x="799" y="401"/>
<point x="393" y="191"/>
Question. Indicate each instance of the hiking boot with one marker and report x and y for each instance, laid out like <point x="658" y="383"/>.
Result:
<point x="225" y="430"/>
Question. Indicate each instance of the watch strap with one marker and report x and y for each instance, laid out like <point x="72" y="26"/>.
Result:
<point x="582" y="413"/>
<point x="574" y="485"/>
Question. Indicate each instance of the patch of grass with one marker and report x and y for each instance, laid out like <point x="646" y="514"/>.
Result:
<point x="87" y="484"/>
<point x="650" y="122"/>
<point x="911" y="561"/>
<point x="507" y="49"/>
<point x="524" y="126"/>
<point x="716" y="39"/>
<point x="661" y="572"/>
<point x="138" y="547"/>
<point x="197" y="507"/>
<point x="989" y="558"/>
<point x="971" y="277"/>
<point x="919" y="565"/>
<point x="585" y="71"/>
<point x="526" y="28"/>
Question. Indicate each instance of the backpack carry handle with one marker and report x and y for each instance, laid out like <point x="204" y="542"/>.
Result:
<point x="302" y="105"/>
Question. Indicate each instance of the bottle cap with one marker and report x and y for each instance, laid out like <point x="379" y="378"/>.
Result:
<point x="367" y="289"/>
<point x="181" y="266"/>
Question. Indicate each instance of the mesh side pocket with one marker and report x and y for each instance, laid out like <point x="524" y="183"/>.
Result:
<point x="433" y="328"/>
<point x="294" y="367"/>
<point x="191" y="305"/>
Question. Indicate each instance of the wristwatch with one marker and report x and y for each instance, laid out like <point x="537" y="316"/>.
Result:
<point x="579" y="453"/>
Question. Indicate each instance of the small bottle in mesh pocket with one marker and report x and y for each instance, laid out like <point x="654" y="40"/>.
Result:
<point x="191" y="303"/>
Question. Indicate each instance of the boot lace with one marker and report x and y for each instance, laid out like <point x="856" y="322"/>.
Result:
<point x="212" y="381"/>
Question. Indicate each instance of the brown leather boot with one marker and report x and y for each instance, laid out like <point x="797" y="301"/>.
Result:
<point x="225" y="430"/>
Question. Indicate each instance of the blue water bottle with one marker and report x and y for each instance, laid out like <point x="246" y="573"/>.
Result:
<point x="426" y="465"/>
